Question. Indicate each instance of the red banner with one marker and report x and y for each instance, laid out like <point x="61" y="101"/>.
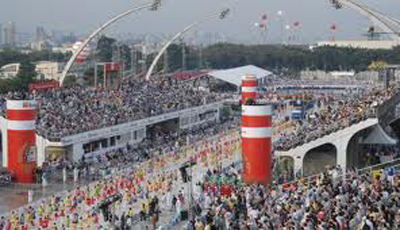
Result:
<point x="43" y="85"/>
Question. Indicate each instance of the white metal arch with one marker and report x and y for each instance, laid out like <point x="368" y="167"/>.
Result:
<point x="395" y="22"/>
<point x="377" y="18"/>
<point x="149" y="5"/>
<point x="220" y="15"/>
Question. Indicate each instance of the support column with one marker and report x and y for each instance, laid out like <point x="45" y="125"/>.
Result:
<point x="21" y="138"/>
<point x="249" y="88"/>
<point x="341" y="154"/>
<point x="256" y="143"/>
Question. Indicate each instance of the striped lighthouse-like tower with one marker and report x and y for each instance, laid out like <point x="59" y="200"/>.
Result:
<point x="21" y="139"/>
<point x="249" y="88"/>
<point x="256" y="143"/>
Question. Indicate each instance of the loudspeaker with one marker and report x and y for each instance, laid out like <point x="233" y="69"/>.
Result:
<point x="184" y="215"/>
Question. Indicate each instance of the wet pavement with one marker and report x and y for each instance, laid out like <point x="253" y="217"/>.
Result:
<point x="15" y="195"/>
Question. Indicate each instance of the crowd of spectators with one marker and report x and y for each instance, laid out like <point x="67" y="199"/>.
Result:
<point x="334" y="116"/>
<point x="68" y="111"/>
<point x="328" y="202"/>
<point x="333" y="82"/>
<point x="113" y="200"/>
<point x="164" y="142"/>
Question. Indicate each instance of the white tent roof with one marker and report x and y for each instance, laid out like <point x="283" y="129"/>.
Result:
<point x="234" y="76"/>
<point x="378" y="136"/>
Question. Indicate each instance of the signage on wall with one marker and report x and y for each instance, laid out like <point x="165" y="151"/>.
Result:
<point x="137" y="125"/>
<point x="30" y="154"/>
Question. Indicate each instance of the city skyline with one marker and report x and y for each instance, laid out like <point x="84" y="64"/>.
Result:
<point x="238" y="27"/>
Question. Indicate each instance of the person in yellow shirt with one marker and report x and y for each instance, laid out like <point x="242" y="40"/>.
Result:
<point x="80" y="224"/>
<point x="130" y="213"/>
<point x="28" y="217"/>
<point x="199" y="225"/>
<point x="13" y="220"/>
<point x="40" y="211"/>
<point x="67" y="201"/>
<point x="67" y="221"/>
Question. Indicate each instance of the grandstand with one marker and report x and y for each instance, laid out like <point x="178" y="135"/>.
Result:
<point x="141" y="154"/>
<point x="73" y="122"/>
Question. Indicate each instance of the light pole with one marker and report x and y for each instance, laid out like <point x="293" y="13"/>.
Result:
<point x="152" y="5"/>
<point x="220" y="15"/>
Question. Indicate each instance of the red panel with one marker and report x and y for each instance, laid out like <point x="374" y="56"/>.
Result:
<point x="264" y="121"/>
<point x="18" y="143"/>
<point x="44" y="85"/>
<point x="112" y="67"/>
<point x="252" y="95"/>
<point x="247" y="83"/>
<point x="256" y="153"/>
<point x="23" y="115"/>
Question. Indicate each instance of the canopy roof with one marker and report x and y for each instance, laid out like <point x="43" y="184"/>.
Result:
<point x="378" y="136"/>
<point x="234" y="76"/>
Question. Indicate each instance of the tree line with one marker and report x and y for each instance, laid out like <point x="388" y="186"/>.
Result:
<point x="284" y="59"/>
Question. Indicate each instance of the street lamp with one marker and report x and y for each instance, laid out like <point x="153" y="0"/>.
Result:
<point x="153" y="5"/>
<point x="220" y="15"/>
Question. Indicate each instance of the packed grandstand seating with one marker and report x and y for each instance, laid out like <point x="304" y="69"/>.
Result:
<point x="331" y="201"/>
<point x="335" y="116"/>
<point x="141" y="183"/>
<point x="164" y="143"/>
<point x="130" y="176"/>
<point x="68" y="111"/>
<point x="337" y="82"/>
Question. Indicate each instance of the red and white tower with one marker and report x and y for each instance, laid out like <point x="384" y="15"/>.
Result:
<point x="21" y="139"/>
<point x="256" y="143"/>
<point x="249" y="88"/>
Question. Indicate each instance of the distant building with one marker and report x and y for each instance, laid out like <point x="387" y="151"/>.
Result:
<point x="40" y="34"/>
<point x="42" y="40"/>
<point x="48" y="70"/>
<point x="366" y="44"/>
<point x="9" y="34"/>
<point x="64" y="48"/>
<point x="1" y="35"/>
<point x="39" y="46"/>
<point x="10" y="70"/>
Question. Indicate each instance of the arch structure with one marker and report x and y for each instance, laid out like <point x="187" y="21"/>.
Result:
<point x="340" y="140"/>
<point x="387" y="24"/>
<point x="153" y="5"/>
<point x="320" y="158"/>
<point x="220" y="15"/>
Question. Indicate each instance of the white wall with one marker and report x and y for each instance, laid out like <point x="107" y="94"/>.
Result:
<point x="339" y="139"/>
<point x="3" y="127"/>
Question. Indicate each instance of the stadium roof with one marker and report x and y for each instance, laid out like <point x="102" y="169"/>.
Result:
<point x="234" y="76"/>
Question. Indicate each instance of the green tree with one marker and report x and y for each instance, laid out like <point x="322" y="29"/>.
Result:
<point x="70" y="80"/>
<point x="26" y="75"/>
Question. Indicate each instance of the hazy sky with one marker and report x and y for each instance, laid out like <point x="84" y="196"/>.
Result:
<point x="82" y="16"/>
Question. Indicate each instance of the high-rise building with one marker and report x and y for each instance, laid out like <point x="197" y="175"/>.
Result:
<point x="9" y="34"/>
<point x="40" y="34"/>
